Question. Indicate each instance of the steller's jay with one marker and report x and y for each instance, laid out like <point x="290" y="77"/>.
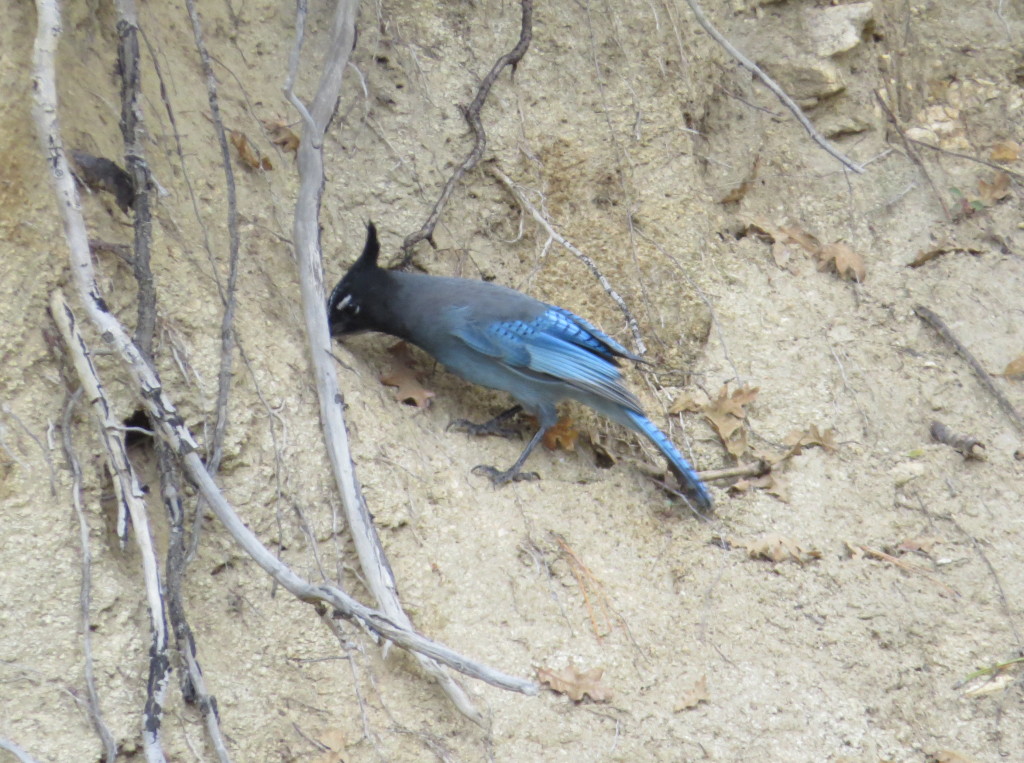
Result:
<point x="500" y="338"/>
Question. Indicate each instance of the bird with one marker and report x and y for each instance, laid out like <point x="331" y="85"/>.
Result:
<point x="503" y="339"/>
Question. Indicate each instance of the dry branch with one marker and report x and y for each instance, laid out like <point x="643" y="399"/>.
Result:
<point x="129" y="495"/>
<point x="227" y="326"/>
<point x="309" y="158"/>
<point x="85" y="593"/>
<point x="788" y="102"/>
<point x="472" y="115"/>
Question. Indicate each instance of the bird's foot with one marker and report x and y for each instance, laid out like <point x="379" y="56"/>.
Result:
<point x="492" y="428"/>
<point x="500" y="478"/>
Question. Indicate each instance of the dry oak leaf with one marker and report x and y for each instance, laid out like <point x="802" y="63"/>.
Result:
<point x="575" y="683"/>
<point x="765" y="482"/>
<point x="698" y="693"/>
<point x="686" y="402"/>
<point x="403" y="375"/>
<point x="1015" y="368"/>
<point x="1005" y="151"/>
<point x="998" y="189"/>
<point x="796" y="440"/>
<point x="726" y="414"/>
<point x="247" y="153"/>
<point x="848" y="263"/>
<point x="923" y="545"/>
<point x="562" y="435"/>
<point x="777" y="548"/>
<point x="281" y="135"/>
<point x="737" y="193"/>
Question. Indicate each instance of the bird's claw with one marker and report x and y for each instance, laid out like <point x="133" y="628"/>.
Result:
<point x="500" y="478"/>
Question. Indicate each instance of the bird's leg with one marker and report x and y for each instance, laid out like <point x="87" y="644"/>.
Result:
<point x="512" y="474"/>
<point x="492" y="427"/>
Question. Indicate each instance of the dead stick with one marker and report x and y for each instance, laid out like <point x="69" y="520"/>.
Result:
<point x="309" y="159"/>
<point x="986" y="380"/>
<point x="85" y="593"/>
<point x="788" y="102"/>
<point x="472" y="115"/>
<point x="129" y="494"/>
<point x="227" y="326"/>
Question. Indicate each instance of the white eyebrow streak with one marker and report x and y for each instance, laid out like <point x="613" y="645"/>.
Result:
<point x="344" y="303"/>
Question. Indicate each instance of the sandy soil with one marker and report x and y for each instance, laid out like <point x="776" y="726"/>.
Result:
<point x="631" y="126"/>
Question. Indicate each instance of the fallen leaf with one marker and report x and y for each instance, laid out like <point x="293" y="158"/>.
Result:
<point x="923" y="545"/>
<point x="247" y="153"/>
<point x="575" y="683"/>
<point x="726" y="414"/>
<point x="796" y="440"/>
<point x="686" y="402"/>
<point x="740" y="191"/>
<point x="765" y="482"/>
<point x="698" y="693"/>
<point x="777" y="548"/>
<point x="403" y="375"/>
<point x="1015" y="368"/>
<point x="281" y="135"/>
<point x="998" y="189"/>
<point x="847" y="263"/>
<point x="562" y="435"/>
<point x="1005" y="151"/>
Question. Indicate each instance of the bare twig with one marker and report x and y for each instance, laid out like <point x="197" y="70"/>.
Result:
<point x="129" y="494"/>
<point x="16" y="751"/>
<point x="193" y="685"/>
<point x="138" y="169"/>
<point x="942" y="329"/>
<point x="472" y="115"/>
<point x="376" y="570"/>
<point x="85" y="594"/>
<point x="754" y="469"/>
<point x="227" y="325"/>
<point x="968" y="157"/>
<point x="788" y="102"/>
<point x="912" y="153"/>
<point x="537" y="215"/>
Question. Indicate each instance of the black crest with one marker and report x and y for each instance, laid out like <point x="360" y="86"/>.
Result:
<point x="345" y="308"/>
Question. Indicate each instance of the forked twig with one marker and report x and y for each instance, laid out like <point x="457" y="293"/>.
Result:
<point x="472" y="115"/>
<point x="768" y="82"/>
<point x="590" y="265"/>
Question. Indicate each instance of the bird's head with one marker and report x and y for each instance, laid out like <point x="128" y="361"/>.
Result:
<point x="347" y="307"/>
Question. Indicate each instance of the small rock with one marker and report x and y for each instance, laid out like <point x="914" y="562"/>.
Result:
<point x="903" y="473"/>
<point x="838" y="29"/>
<point x="805" y="78"/>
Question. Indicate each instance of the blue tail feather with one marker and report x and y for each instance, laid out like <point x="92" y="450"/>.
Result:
<point x="697" y="489"/>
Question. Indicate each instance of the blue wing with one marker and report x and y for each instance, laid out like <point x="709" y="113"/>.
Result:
<point x="556" y="344"/>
